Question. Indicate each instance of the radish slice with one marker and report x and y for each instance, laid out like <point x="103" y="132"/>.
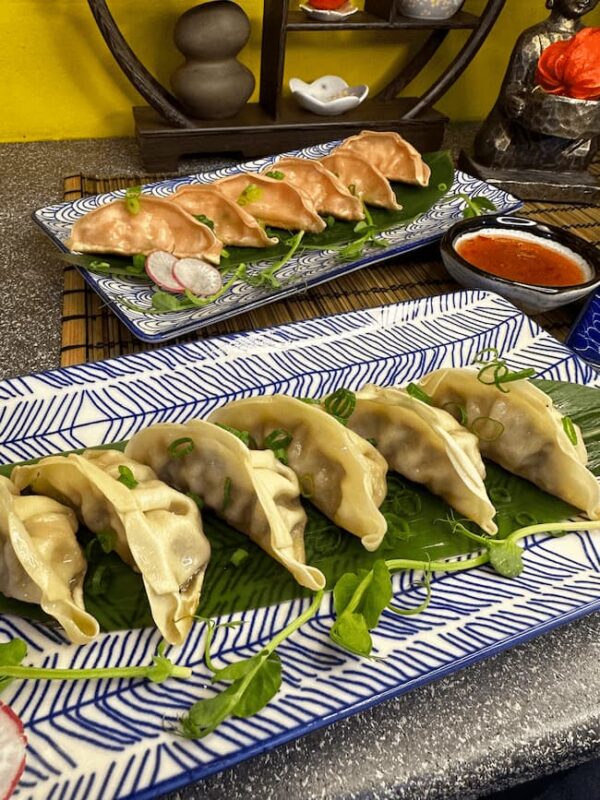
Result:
<point x="198" y="276"/>
<point x="159" y="268"/>
<point x="12" y="751"/>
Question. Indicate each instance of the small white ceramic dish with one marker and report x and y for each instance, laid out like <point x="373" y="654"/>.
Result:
<point x="328" y="96"/>
<point x="329" y="15"/>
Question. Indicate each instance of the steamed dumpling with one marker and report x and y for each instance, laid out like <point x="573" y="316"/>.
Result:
<point x="342" y="474"/>
<point x="396" y="158"/>
<point x="41" y="561"/>
<point x="532" y="442"/>
<point x="428" y="446"/>
<point x="156" y="529"/>
<point x="326" y="191"/>
<point x="367" y="182"/>
<point x="158" y="225"/>
<point x="249" y="489"/>
<point x="273" y="202"/>
<point x="232" y="224"/>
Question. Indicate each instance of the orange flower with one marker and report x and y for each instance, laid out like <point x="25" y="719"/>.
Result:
<point x="571" y="68"/>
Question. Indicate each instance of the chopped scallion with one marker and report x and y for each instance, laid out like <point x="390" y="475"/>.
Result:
<point x="457" y="410"/>
<point x="340" y="404"/>
<point x="126" y="477"/>
<point x="243" y="436"/>
<point x="251" y="193"/>
<point x="132" y="199"/>
<point x="418" y="394"/>
<point x="276" y="175"/>
<point x="569" y="429"/>
<point x="239" y="556"/>
<point x="179" y="448"/>
<point x="487" y="429"/>
<point x="278" y="441"/>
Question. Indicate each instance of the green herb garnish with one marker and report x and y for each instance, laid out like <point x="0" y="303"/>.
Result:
<point x="132" y="199"/>
<point x="278" y="441"/>
<point x="307" y="485"/>
<point x="418" y="394"/>
<point x="487" y="429"/>
<point x="243" y="436"/>
<point x="253" y="682"/>
<point x="340" y="404"/>
<point x="250" y="194"/>
<point x="205" y="221"/>
<point x="107" y="540"/>
<point x="139" y="262"/>
<point x="180" y="448"/>
<point x="267" y="276"/>
<point x="457" y="410"/>
<point x="276" y="175"/>
<point x="569" y="429"/>
<point x="500" y="373"/>
<point x="239" y="556"/>
<point x="126" y="477"/>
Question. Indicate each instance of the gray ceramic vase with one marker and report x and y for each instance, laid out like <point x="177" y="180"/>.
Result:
<point x="212" y="84"/>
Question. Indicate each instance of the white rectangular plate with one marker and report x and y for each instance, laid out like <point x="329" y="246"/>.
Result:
<point x="301" y="272"/>
<point x="98" y="740"/>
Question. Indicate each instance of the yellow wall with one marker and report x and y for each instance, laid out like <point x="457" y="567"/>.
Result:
<point x="59" y="80"/>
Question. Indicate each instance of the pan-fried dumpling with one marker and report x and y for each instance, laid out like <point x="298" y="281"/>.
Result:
<point x="365" y="180"/>
<point x="273" y="202"/>
<point x="342" y="474"/>
<point x="158" y="225"/>
<point x="397" y="159"/>
<point x="155" y="529"/>
<point x="428" y="446"/>
<point x="249" y="489"/>
<point x="529" y="440"/>
<point x="327" y="192"/>
<point x="232" y="224"/>
<point x="41" y="561"/>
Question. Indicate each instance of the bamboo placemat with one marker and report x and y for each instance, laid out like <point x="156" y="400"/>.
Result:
<point x="91" y="332"/>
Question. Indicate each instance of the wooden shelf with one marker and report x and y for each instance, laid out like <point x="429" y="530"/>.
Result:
<point x="362" y="20"/>
<point x="254" y="132"/>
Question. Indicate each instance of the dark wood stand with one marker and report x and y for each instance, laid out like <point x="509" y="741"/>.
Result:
<point x="275" y="124"/>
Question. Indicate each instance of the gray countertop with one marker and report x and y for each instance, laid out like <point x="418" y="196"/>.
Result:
<point x="526" y="712"/>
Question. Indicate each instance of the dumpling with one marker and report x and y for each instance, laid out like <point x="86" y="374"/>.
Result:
<point x="41" y="561"/>
<point x="232" y="224"/>
<point x="342" y="474"/>
<point x="397" y="159"/>
<point x="249" y="489"/>
<point x="528" y="434"/>
<point x="367" y="182"/>
<point x="273" y="202"/>
<point x="155" y="529"/>
<point x="158" y="225"/>
<point x="428" y="446"/>
<point x="326" y="191"/>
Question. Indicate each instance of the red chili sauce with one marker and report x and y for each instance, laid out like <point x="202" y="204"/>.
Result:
<point x="521" y="259"/>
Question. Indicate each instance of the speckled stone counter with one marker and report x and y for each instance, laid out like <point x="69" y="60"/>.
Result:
<point x="526" y="712"/>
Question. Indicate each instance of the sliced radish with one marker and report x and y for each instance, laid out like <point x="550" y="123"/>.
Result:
<point x="198" y="276"/>
<point x="13" y="744"/>
<point x="159" y="267"/>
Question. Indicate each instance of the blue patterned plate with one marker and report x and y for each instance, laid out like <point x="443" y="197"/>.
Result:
<point x="106" y="739"/>
<point x="301" y="272"/>
<point x="584" y="337"/>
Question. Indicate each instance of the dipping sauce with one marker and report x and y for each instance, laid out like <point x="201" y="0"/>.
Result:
<point x="523" y="257"/>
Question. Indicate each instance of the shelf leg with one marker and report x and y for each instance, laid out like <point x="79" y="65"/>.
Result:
<point x="272" y="57"/>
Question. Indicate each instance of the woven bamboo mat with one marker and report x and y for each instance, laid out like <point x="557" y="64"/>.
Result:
<point x="91" y="332"/>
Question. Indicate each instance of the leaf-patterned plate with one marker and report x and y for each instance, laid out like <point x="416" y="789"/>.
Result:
<point x="302" y="271"/>
<point x="108" y="739"/>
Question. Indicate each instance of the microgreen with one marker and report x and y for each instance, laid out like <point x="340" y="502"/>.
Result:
<point x="179" y="448"/>
<point x="200" y="302"/>
<point x="126" y="477"/>
<point x="13" y="653"/>
<point x="253" y="682"/>
<point x="267" y="276"/>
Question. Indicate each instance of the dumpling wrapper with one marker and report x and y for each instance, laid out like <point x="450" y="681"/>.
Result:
<point x="326" y="191"/>
<point x="369" y="184"/>
<point x="41" y="560"/>
<point x="396" y="158"/>
<point x="278" y="203"/>
<point x="233" y="225"/>
<point x="263" y="500"/>
<point x="533" y="443"/>
<point x="158" y="225"/>
<point x="344" y="474"/>
<point x="157" y="530"/>
<point x="428" y="446"/>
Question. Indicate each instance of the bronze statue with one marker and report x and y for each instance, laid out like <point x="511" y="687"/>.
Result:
<point x="530" y="130"/>
<point x="510" y="138"/>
